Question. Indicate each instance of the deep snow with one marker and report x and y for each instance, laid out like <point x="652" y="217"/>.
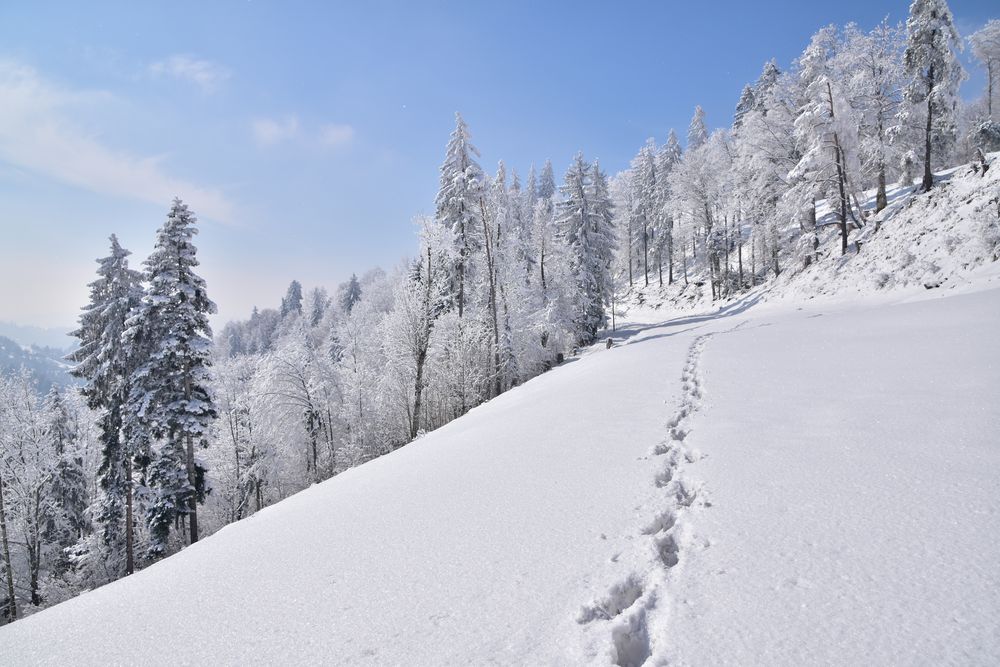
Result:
<point x="766" y="484"/>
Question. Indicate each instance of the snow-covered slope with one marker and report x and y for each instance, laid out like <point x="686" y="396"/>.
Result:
<point x="765" y="484"/>
<point x="931" y="240"/>
<point x="935" y="239"/>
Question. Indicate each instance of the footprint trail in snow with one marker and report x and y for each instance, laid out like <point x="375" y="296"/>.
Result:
<point x="634" y="611"/>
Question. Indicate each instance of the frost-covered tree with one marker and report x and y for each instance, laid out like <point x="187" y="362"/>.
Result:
<point x="744" y="106"/>
<point x="458" y="202"/>
<point x="69" y="521"/>
<point x="584" y="218"/>
<point x="986" y="47"/>
<point x="29" y="513"/>
<point x="697" y="130"/>
<point x="350" y="294"/>
<point x="822" y="128"/>
<point x="105" y="364"/>
<point x="645" y="201"/>
<point x="170" y="408"/>
<point x="543" y="221"/>
<point x="291" y="304"/>
<point x="668" y="157"/>
<point x="870" y="65"/>
<point x="933" y="73"/>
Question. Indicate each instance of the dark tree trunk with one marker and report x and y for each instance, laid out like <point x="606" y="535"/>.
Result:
<point x="129" y="522"/>
<point x="645" y="253"/>
<point x="928" y="181"/>
<point x="670" y="254"/>
<point x="193" y="499"/>
<point x="838" y="156"/>
<point x="739" y="254"/>
<point x="497" y="386"/>
<point x="422" y="354"/>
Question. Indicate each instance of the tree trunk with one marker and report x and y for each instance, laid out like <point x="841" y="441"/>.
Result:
<point x="129" y="523"/>
<point x="645" y="253"/>
<point x="193" y="499"/>
<point x="493" y="301"/>
<point x="541" y="264"/>
<point x="739" y="251"/>
<point x="629" y="250"/>
<point x="422" y="354"/>
<point x="881" y="201"/>
<point x="928" y="181"/>
<point x="838" y="156"/>
<point x="11" y="600"/>
<point x="989" y="89"/>
<point x="670" y="254"/>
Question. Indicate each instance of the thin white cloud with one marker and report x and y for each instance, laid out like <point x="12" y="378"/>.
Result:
<point x="36" y="134"/>
<point x="336" y="135"/>
<point x="270" y="131"/>
<point x="203" y="73"/>
<point x="273" y="131"/>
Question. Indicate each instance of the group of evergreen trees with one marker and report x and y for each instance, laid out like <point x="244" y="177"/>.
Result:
<point x="85" y="482"/>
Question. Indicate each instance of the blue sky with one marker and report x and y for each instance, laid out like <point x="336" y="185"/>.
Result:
<point x="307" y="136"/>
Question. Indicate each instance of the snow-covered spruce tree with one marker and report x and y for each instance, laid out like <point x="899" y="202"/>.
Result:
<point x="744" y="106"/>
<point x="350" y="294"/>
<point x="584" y="221"/>
<point x="763" y="87"/>
<point x="458" y="202"/>
<point x="169" y="407"/>
<point x="668" y="157"/>
<point x="697" y="130"/>
<point x="317" y="304"/>
<point x="543" y="221"/>
<point x="68" y="521"/>
<point x="105" y="364"/>
<point x="602" y="228"/>
<point x="291" y="304"/>
<point x="933" y="73"/>
<point x="644" y="202"/>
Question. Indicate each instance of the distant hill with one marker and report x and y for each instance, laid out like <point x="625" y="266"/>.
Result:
<point x="57" y="337"/>
<point x="45" y="363"/>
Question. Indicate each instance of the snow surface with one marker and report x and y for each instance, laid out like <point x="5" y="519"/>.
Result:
<point x="770" y="483"/>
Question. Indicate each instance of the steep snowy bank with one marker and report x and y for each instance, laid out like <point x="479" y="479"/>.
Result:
<point x="930" y="240"/>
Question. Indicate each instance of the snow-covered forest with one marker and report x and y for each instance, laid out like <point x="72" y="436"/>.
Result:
<point x="175" y="431"/>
